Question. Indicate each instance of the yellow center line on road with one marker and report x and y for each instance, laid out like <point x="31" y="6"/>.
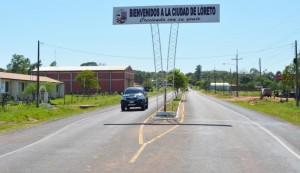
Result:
<point x="137" y="154"/>
<point x="141" y="138"/>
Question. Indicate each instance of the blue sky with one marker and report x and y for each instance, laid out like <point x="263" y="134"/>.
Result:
<point x="256" y="29"/>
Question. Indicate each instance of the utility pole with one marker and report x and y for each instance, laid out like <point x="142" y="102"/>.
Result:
<point x="209" y="87"/>
<point x="237" y="72"/>
<point x="215" y="80"/>
<point x="297" y="75"/>
<point x="230" y="81"/>
<point x="38" y="76"/>
<point x="260" y="73"/>
<point x="223" y="83"/>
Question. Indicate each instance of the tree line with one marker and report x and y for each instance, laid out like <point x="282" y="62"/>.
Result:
<point x="22" y="65"/>
<point x="252" y="79"/>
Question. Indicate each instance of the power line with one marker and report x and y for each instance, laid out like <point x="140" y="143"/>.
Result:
<point x="242" y="53"/>
<point x="273" y="55"/>
<point x="93" y="53"/>
<point x="132" y="57"/>
<point x="274" y="27"/>
<point x="263" y="50"/>
<point x="291" y="34"/>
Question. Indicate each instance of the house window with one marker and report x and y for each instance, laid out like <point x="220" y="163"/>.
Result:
<point x="6" y="87"/>
<point x="23" y="86"/>
<point x="56" y="88"/>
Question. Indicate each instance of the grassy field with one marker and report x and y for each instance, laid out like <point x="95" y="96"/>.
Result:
<point x="98" y="100"/>
<point x="15" y="116"/>
<point x="173" y="105"/>
<point x="281" y="109"/>
<point x="226" y="93"/>
<point x="284" y="110"/>
<point x="18" y="116"/>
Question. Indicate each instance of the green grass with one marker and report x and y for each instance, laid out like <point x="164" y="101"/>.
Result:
<point x="283" y="110"/>
<point x="18" y="116"/>
<point x="21" y="115"/>
<point x="173" y="105"/>
<point x="226" y="93"/>
<point x="99" y="100"/>
<point x="286" y="111"/>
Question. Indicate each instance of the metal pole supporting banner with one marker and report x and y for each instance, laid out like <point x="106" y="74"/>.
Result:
<point x="172" y="47"/>
<point x="158" y="65"/>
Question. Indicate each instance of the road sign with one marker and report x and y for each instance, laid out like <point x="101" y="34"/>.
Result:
<point x="205" y="13"/>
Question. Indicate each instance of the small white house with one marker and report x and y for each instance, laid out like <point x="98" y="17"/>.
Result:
<point x="15" y="84"/>
<point x="220" y="86"/>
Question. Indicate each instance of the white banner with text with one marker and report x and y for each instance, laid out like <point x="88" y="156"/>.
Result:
<point x="205" y="13"/>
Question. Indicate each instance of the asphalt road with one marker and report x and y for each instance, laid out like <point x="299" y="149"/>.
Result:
<point x="210" y="136"/>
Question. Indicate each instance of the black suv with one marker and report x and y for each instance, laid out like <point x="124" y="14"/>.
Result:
<point x="134" y="97"/>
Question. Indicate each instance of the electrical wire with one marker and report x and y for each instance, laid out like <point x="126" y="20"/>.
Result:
<point x="296" y="31"/>
<point x="92" y="53"/>
<point x="274" y="27"/>
<point x="241" y="53"/>
<point x="131" y="57"/>
<point x="264" y="58"/>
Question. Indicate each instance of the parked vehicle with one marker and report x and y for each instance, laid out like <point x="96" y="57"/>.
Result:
<point x="134" y="97"/>
<point x="288" y="94"/>
<point x="266" y="92"/>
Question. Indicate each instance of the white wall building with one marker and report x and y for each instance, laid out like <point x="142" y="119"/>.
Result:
<point x="15" y="84"/>
<point x="220" y="86"/>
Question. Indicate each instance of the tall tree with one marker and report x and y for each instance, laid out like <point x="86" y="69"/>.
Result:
<point x="19" y="64"/>
<point x="142" y="77"/>
<point x="87" y="80"/>
<point x="288" y="77"/>
<point x="197" y="73"/>
<point x="89" y="64"/>
<point x="102" y="64"/>
<point x="2" y="70"/>
<point x="33" y="66"/>
<point x="180" y="80"/>
<point x="53" y="64"/>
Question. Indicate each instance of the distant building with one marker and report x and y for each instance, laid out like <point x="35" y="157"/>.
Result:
<point x="15" y="84"/>
<point x="220" y="86"/>
<point x="111" y="78"/>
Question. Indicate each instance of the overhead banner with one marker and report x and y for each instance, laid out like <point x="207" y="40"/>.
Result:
<point x="205" y="13"/>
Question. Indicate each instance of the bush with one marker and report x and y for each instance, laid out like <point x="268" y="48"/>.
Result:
<point x="5" y="99"/>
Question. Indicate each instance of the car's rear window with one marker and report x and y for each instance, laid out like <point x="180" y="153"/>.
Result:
<point x="133" y="91"/>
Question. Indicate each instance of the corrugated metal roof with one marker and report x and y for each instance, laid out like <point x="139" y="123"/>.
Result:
<point x="24" y="77"/>
<point x="81" y="68"/>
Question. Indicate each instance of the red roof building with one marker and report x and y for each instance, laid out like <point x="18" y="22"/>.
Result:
<point x="111" y="78"/>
